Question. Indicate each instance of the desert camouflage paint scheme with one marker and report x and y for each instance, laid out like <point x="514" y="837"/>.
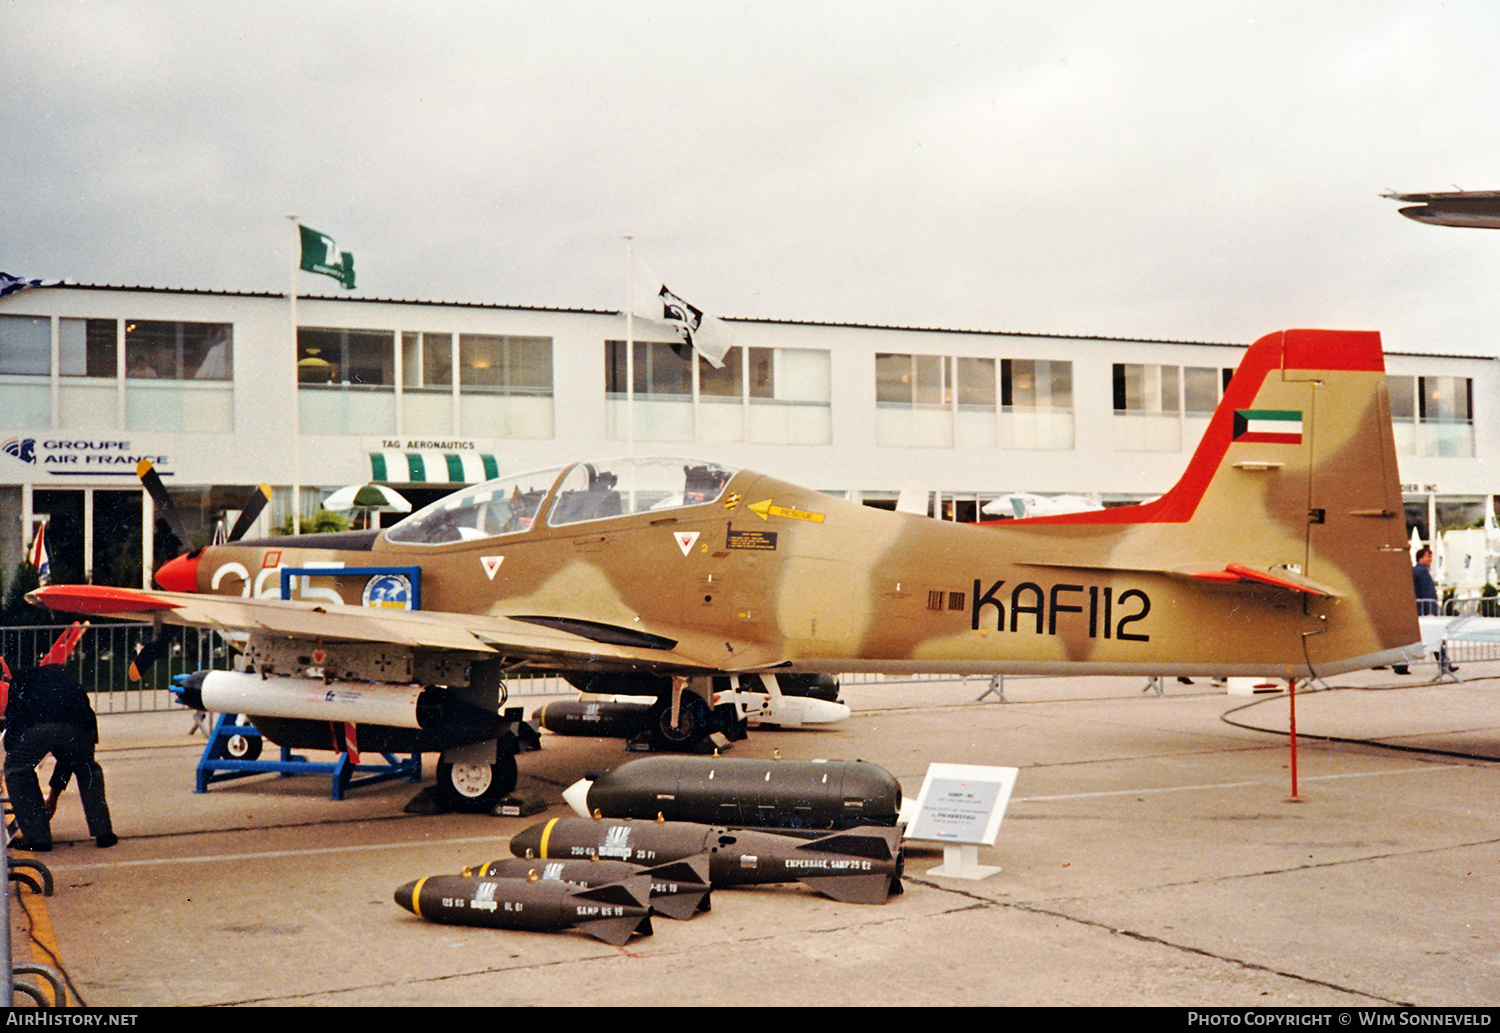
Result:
<point x="1280" y="553"/>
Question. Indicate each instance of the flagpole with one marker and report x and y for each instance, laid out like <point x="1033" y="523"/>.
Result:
<point x="629" y="345"/>
<point x="291" y="294"/>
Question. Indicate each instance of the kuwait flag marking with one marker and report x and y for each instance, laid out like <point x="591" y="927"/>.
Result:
<point x="1274" y="426"/>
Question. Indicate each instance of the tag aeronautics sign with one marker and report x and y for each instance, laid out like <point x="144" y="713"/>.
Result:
<point x="60" y="456"/>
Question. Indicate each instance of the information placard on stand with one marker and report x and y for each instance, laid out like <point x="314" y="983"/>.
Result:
<point x="960" y="806"/>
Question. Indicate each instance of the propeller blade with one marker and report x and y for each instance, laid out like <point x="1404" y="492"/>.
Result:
<point x="151" y="481"/>
<point x="251" y="509"/>
<point x="151" y="651"/>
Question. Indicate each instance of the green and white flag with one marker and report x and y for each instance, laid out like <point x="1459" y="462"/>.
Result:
<point x="321" y="255"/>
<point x="1270" y="426"/>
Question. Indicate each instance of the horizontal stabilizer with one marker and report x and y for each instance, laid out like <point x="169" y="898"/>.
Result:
<point x="1237" y="573"/>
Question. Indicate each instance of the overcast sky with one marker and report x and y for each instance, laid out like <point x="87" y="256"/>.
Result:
<point x="1194" y="170"/>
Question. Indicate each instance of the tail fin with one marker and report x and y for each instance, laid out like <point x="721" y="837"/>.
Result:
<point x="1294" y="485"/>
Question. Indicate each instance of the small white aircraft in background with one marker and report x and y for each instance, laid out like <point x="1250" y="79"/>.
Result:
<point x="1022" y="504"/>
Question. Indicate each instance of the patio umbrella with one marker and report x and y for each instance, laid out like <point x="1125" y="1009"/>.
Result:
<point x="371" y="497"/>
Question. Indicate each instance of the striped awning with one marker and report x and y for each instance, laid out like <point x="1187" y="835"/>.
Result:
<point x="432" y="467"/>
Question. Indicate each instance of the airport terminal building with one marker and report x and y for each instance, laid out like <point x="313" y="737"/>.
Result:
<point x="221" y="393"/>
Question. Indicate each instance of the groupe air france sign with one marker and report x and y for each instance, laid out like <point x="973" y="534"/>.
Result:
<point x="56" y="456"/>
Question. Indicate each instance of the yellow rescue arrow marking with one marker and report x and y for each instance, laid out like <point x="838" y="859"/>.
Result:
<point x="766" y="511"/>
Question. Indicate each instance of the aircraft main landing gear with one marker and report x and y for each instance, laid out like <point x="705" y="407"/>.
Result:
<point x="694" y="724"/>
<point x="696" y="730"/>
<point x="475" y="788"/>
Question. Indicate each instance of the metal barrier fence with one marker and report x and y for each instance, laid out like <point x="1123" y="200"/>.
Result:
<point x="1488" y="606"/>
<point x="101" y="661"/>
<point x="1481" y="646"/>
<point x="908" y="679"/>
<point x="104" y="652"/>
<point x="1463" y="652"/>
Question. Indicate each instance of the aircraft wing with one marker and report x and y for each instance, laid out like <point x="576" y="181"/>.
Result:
<point x="539" y="641"/>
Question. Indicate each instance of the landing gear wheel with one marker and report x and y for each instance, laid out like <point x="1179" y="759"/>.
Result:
<point x="695" y="722"/>
<point x="242" y="747"/>
<point x="476" y="788"/>
<point x="734" y="728"/>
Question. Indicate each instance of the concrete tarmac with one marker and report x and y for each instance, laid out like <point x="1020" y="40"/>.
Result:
<point x="1150" y="857"/>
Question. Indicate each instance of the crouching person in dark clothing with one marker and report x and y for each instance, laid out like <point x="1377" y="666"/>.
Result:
<point x="48" y="712"/>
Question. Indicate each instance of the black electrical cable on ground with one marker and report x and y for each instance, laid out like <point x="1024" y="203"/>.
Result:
<point x="1397" y="747"/>
<point x="56" y="962"/>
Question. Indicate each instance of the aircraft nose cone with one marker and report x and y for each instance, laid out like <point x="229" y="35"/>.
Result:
<point x="180" y="574"/>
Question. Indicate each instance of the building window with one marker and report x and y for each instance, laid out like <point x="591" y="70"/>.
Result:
<point x="914" y="400"/>
<point x="87" y="347"/>
<point x="348" y="358"/>
<point x="1201" y="389"/>
<point x="154" y="350"/>
<point x="426" y="360"/>
<point x="942" y="401"/>
<point x="26" y="345"/>
<point x="1164" y="408"/>
<point x="974" y="413"/>
<point x="505" y="364"/>
<point x="1148" y="407"/>
<point x="176" y="374"/>
<point x="1036" y="404"/>
<point x="762" y="395"/>
<point x="505" y="386"/>
<point x="428" y="404"/>
<point x="662" y="381"/>
<point x="1433" y="416"/>
<point x="788" y="396"/>
<point x="26" y="371"/>
<point x="657" y="368"/>
<point x="346" y="381"/>
<point x="177" y="351"/>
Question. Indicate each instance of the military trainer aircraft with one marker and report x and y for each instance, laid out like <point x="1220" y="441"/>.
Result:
<point x="1476" y="209"/>
<point x="1280" y="553"/>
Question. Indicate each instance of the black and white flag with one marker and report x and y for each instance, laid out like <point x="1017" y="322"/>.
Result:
<point x="10" y="284"/>
<point x="706" y="334"/>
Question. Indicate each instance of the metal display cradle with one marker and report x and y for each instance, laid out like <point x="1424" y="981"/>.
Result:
<point x="228" y="738"/>
<point x="234" y="748"/>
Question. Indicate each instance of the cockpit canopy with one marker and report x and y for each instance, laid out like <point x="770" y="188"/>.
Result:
<point x="579" y="493"/>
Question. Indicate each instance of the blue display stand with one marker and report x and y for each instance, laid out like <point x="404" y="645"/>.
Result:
<point x="217" y="765"/>
<point x="400" y="587"/>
